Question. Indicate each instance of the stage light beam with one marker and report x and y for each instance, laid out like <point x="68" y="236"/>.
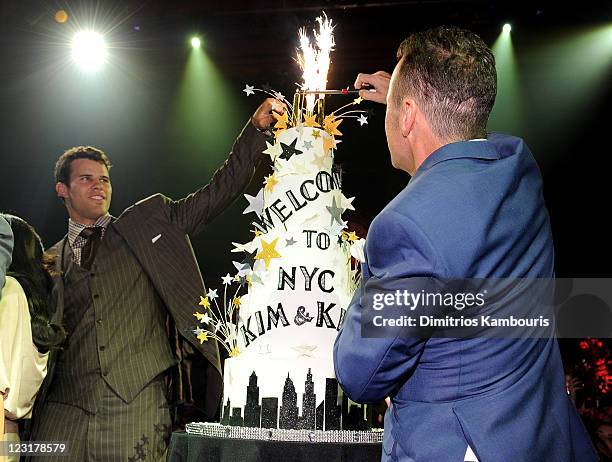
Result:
<point x="89" y="50"/>
<point x="206" y="114"/>
<point x="508" y="112"/>
<point x="507" y="28"/>
<point x="196" y="42"/>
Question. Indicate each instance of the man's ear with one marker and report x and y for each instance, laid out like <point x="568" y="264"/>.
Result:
<point x="61" y="189"/>
<point x="407" y="116"/>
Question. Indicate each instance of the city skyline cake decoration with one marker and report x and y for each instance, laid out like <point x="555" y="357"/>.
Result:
<point x="334" y="412"/>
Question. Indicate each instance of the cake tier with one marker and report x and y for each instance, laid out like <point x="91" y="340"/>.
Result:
<point x="288" y="392"/>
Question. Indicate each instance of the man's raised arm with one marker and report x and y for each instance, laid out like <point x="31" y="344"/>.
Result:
<point x="193" y="212"/>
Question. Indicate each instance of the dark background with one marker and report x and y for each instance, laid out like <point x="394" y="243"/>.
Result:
<point x="48" y="106"/>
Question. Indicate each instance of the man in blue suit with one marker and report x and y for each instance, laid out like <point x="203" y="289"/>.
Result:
<point x="6" y="249"/>
<point x="472" y="209"/>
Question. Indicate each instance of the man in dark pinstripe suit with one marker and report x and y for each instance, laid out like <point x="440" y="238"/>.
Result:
<point x="107" y="395"/>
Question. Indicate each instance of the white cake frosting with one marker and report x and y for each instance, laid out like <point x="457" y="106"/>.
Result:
<point x="296" y="301"/>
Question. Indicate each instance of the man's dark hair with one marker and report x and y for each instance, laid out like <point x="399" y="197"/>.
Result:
<point x="62" y="166"/>
<point x="450" y="72"/>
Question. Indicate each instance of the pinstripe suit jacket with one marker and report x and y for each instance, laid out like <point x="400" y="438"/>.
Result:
<point x="156" y="231"/>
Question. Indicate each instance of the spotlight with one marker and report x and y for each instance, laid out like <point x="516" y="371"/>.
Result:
<point x="196" y="42"/>
<point x="507" y="28"/>
<point x="88" y="50"/>
<point x="61" y="16"/>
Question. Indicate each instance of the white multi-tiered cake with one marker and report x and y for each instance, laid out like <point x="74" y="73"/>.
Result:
<point x="279" y="381"/>
<point x="281" y="374"/>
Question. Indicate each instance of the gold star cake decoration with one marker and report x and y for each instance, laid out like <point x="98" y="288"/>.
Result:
<point x="281" y="119"/>
<point x="328" y="143"/>
<point x="199" y="316"/>
<point x="201" y="335"/>
<point x="268" y="252"/>
<point x="309" y="121"/>
<point x="331" y="125"/>
<point x="270" y="182"/>
<point x="204" y="302"/>
<point x="351" y="237"/>
<point x="234" y="352"/>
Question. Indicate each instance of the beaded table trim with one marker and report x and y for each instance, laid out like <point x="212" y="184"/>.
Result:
<point x="216" y="430"/>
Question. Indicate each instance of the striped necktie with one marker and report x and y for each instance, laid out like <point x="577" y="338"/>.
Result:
<point x="88" y="253"/>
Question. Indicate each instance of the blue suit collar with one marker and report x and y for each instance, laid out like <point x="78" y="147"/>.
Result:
<point x="459" y="150"/>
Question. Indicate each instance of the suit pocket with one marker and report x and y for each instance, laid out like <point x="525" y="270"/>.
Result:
<point x="389" y="446"/>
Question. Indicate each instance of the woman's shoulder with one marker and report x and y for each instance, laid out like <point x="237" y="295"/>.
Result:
<point x="13" y="302"/>
<point x="12" y="288"/>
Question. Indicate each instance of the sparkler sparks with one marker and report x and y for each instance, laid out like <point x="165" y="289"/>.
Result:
<point x="308" y="108"/>
<point x="314" y="60"/>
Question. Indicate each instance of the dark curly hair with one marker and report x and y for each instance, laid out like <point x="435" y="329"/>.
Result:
<point x="32" y="268"/>
<point x="450" y="72"/>
<point x="62" y="166"/>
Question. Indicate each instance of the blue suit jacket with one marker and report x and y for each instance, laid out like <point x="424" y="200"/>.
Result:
<point x="473" y="209"/>
<point x="6" y="249"/>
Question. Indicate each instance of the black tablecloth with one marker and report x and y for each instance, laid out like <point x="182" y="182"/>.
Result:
<point x="185" y="447"/>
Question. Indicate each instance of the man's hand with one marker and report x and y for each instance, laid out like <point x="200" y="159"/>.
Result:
<point x="262" y="118"/>
<point x="379" y="81"/>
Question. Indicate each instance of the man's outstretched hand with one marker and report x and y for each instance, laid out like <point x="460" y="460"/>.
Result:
<point x="263" y="118"/>
<point x="379" y="81"/>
